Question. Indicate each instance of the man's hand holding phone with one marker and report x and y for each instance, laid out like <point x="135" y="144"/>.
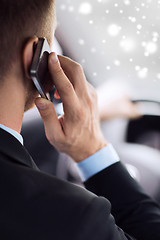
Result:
<point x="77" y="132"/>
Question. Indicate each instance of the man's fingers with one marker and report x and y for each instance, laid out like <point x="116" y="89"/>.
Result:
<point x="52" y="125"/>
<point x="62" y="83"/>
<point x="74" y="72"/>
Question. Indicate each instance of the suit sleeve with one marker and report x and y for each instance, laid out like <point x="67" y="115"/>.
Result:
<point x="97" y="223"/>
<point x="134" y="212"/>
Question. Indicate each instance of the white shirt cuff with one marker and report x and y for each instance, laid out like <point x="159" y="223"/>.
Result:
<point x="95" y="163"/>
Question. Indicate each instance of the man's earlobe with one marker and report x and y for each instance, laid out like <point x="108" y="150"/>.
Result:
<point x="28" y="52"/>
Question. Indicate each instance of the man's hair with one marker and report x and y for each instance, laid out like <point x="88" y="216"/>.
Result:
<point x="20" y="20"/>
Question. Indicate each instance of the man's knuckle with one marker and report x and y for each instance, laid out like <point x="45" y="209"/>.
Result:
<point x="81" y="113"/>
<point x="67" y="86"/>
<point x="78" y="68"/>
<point x="58" y="70"/>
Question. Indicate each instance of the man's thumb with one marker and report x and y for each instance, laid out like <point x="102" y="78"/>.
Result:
<point x="48" y="115"/>
<point x="41" y="103"/>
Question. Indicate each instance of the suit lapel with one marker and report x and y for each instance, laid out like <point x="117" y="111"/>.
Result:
<point x="12" y="148"/>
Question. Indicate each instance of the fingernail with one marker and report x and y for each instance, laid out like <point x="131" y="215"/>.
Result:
<point x="54" y="58"/>
<point x="40" y="103"/>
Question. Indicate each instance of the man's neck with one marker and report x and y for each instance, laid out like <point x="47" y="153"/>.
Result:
<point x="11" y="106"/>
<point x="12" y="118"/>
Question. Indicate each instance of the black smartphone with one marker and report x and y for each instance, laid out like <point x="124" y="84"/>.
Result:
<point x="39" y="67"/>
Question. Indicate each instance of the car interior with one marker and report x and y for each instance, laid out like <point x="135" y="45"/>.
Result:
<point x="117" y="43"/>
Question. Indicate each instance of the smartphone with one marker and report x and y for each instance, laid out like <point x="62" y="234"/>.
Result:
<point x="39" y="67"/>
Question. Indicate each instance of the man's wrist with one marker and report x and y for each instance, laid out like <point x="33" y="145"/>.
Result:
<point x="81" y="156"/>
<point x="95" y="163"/>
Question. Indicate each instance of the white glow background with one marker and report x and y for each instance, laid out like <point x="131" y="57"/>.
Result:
<point x="114" y="40"/>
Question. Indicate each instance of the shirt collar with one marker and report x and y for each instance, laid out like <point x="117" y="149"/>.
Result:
<point x="12" y="132"/>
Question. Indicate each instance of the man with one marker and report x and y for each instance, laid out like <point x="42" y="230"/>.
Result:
<point x="38" y="206"/>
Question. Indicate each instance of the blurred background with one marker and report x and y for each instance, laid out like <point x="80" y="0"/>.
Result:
<point x="114" y="40"/>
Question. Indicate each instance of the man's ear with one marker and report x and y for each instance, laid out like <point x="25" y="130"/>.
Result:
<point x="28" y="52"/>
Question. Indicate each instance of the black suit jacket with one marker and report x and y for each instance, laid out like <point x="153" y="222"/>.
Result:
<point x="37" y="206"/>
